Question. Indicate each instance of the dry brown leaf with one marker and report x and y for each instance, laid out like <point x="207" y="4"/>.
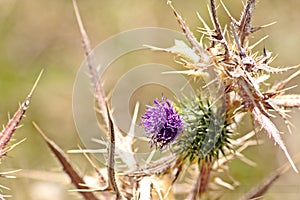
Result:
<point x="76" y="179"/>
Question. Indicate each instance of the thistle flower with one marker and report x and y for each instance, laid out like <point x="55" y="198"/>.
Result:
<point x="206" y="131"/>
<point x="163" y="122"/>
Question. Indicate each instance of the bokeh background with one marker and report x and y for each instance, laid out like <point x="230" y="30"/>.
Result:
<point x="43" y="34"/>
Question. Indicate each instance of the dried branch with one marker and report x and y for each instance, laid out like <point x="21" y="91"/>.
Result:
<point x="287" y="101"/>
<point x="273" y="132"/>
<point x="67" y="167"/>
<point x="261" y="189"/>
<point x="202" y="180"/>
<point x="13" y="123"/>
<point x="282" y="84"/>
<point x="274" y="70"/>
<point x="97" y="84"/>
<point x="218" y="30"/>
<point x="194" y="194"/>
<point x="216" y="22"/>
<point x="188" y="33"/>
<point x="123" y="142"/>
<point x="245" y="27"/>
<point x="249" y="90"/>
<point x="205" y="170"/>
<point x="157" y="167"/>
<point x="242" y="52"/>
<point x="111" y="157"/>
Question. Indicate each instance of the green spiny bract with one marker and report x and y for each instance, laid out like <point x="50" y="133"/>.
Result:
<point x="206" y="131"/>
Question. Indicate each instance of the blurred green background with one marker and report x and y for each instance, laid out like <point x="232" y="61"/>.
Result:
<point x="40" y="34"/>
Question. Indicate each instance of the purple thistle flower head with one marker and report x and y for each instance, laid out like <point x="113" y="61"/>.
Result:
<point x="162" y="122"/>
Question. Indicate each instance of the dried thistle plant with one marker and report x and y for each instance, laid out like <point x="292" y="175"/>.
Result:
<point x="205" y="146"/>
<point x="10" y="128"/>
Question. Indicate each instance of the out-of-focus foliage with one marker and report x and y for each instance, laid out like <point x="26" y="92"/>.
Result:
<point x="36" y="34"/>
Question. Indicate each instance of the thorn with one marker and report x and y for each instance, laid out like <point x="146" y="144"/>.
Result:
<point x="35" y="84"/>
<point x="228" y="13"/>
<point x="258" y="42"/>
